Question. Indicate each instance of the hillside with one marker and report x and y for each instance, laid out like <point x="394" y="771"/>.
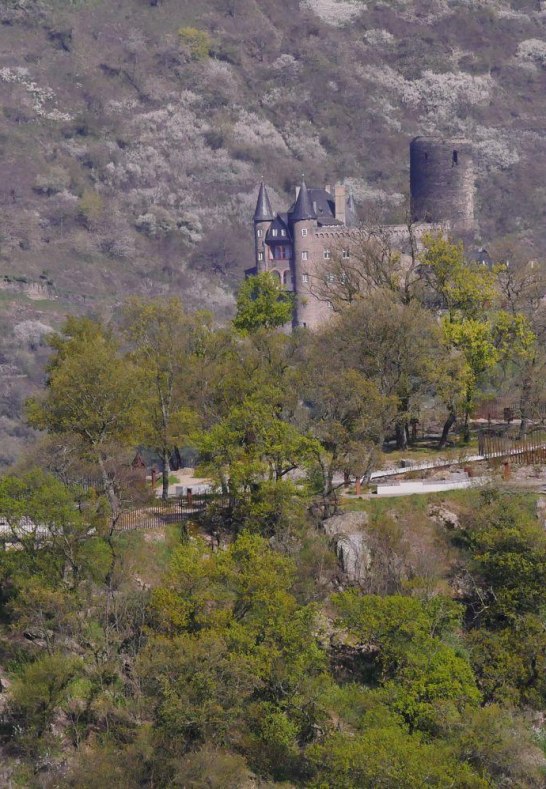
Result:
<point x="133" y="134"/>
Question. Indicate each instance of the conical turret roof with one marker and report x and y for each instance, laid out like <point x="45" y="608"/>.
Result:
<point x="263" y="212"/>
<point x="303" y="207"/>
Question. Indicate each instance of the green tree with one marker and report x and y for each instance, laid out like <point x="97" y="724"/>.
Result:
<point x="252" y="443"/>
<point x="510" y="662"/>
<point x="91" y="394"/>
<point x="499" y="746"/>
<point x="467" y="294"/>
<point x="38" y="693"/>
<point x="164" y="341"/>
<point x="390" y="758"/>
<point x="197" y="42"/>
<point x="348" y="416"/>
<point x="262" y="303"/>
<point x="53" y="526"/>
<point x="420" y="674"/>
<point x="523" y="283"/>
<point x="508" y="558"/>
<point x="230" y="635"/>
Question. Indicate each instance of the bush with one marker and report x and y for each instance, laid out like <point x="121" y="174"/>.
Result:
<point x="197" y="42"/>
<point x="91" y="205"/>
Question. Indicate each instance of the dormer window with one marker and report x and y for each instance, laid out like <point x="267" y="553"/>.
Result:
<point x="304" y="231"/>
<point x="283" y="232"/>
<point x="274" y="233"/>
<point x="326" y="254"/>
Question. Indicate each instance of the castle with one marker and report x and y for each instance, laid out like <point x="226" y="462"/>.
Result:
<point x="295" y="245"/>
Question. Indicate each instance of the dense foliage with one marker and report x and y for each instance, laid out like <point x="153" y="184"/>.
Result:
<point x="236" y="650"/>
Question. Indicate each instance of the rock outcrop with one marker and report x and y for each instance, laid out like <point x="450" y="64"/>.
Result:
<point x="443" y="517"/>
<point x="348" y="533"/>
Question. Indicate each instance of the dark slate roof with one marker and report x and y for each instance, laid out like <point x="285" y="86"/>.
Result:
<point x="303" y="207"/>
<point x="279" y="224"/>
<point x="263" y="212"/>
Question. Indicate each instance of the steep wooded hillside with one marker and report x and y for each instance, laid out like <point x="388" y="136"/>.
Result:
<point x="132" y="135"/>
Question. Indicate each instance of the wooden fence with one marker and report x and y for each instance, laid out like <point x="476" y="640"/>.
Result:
<point x="163" y="513"/>
<point x="527" y="450"/>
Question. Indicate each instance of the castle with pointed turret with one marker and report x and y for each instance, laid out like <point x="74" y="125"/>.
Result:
<point x="295" y="245"/>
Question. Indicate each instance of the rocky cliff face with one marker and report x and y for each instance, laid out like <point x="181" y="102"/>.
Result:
<point x="132" y="134"/>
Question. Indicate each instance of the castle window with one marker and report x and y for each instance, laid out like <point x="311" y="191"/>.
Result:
<point x="304" y="231"/>
<point x="260" y="255"/>
<point x="274" y="232"/>
<point x="455" y="157"/>
<point x="330" y="278"/>
<point x="326" y="254"/>
<point x="259" y="233"/>
<point x="281" y="252"/>
<point x="305" y="255"/>
<point x="305" y="278"/>
<point x="345" y="254"/>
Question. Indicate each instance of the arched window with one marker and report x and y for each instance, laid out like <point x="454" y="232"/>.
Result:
<point x="287" y="278"/>
<point x="276" y="274"/>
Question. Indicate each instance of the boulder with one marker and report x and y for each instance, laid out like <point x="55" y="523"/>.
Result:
<point x="350" y="539"/>
<point x="443" y="517"/>
<point x="346" y="523"/>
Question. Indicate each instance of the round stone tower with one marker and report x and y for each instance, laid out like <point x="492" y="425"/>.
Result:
<point x="442" y="182"/>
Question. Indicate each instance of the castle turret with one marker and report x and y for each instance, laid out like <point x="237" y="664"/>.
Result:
<point x="303" y="220"/>
<point x="442" y="182"/>
<point x="303" y="207"/>
<point x="263" y="216"/>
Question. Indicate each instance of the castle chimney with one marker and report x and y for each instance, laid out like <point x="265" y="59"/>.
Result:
<point x="340" y="202"/>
